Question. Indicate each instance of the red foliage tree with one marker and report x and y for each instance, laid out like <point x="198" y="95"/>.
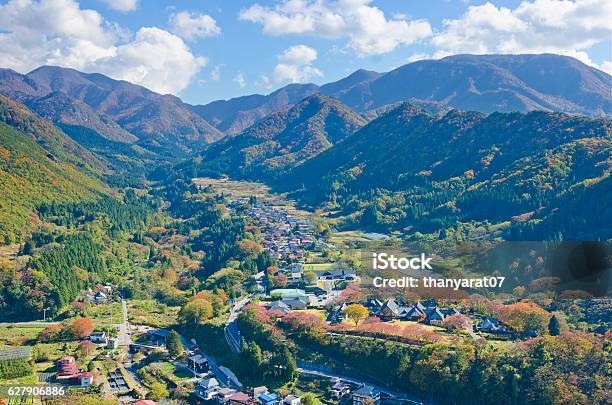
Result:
<point x="82" y="327"/>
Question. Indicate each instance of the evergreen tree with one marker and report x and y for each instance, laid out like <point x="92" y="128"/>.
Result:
<point x="174" y="345"/>
<point x="554" y="327"/>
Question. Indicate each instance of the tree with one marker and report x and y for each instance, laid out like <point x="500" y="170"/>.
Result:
<point x="554" y="327"/>
<point x="81" y="327"/>
<point x="280" y="281"/>
<point x="457" y="322"/>
<point x="196" y="311"/>
<point x="86" y="347"/>
<point x="525" y="317"/>
<point x="356" y="313"/>
<point x="310" y="276"/>
<point x="28" y="247"/>
<point x="158" y="391"/>
<point x="174" y="345"/>
<point x="308" y="399"/>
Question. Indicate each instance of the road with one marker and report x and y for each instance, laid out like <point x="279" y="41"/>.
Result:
<point x="123" y="336"/>
<point x="305" y="369"/>
<point x="231" y="331"/>
<point x="32" y="323"/>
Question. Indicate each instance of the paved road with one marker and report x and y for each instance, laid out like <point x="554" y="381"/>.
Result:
<point x="32" y="323"/>
<point x="123" y="337"/>
<point x="231" y="331"/>
<point x="305" y="369"/>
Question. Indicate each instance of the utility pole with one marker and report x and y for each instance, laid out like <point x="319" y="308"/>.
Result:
<point x="45" y="314"/>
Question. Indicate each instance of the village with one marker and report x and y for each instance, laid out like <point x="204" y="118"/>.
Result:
<point x="130" y="361"/>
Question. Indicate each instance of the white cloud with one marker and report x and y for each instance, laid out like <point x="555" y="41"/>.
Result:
<point x="59" y="32"/>
<point x="215" y="74"/>
<point x="606" y="66"/>
<point x="567" y="27"/>
<point x="192" y="26"/>
<point x="240" y="80"/>
<point x="298" y="55"/>
<point x="418" y="56"/>
<point x="295" y="66"/>
<point x="368" y="30"/>
<point x="155" y="59"/>
<point x="122" y="5"/>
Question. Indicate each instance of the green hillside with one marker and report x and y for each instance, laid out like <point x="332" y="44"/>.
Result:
<point x="465" y="174"/>
<point x="29" y="176"/>
<point x="49" y="137"/>
<point x="281" y="141"/>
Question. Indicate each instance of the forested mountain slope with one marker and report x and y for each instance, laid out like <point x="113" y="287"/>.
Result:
<point x="410" y="168"/>
<point x="30" y="176"/>
<point x="117" y="110"/>
<point x="281" y="141"/>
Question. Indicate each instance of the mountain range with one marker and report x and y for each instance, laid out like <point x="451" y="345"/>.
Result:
<point x="507" y="145"/>
<point x="116" y="110"/>
<point x="484" y="83"/>
<point x="123" y="112"/>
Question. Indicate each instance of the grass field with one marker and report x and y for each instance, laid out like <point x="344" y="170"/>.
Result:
<point x="319" y="266"/>
<point x="109" y="313"/>
<point x="172" y="372"/>
<point x="245" y="189"/>
<point x="18" y="335"/>
<point x="152" y="313"/>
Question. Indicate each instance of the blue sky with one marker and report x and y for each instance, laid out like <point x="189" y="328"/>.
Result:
<point x="204" y="50"/>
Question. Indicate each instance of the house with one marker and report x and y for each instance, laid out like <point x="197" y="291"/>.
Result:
<point x="336" y="315"/>
<point x="100" y="297"/>
<point x="450" y="311"/>
<point x="206" y="388"/>
<point x="288" y="293"/>
<point x="68" y="371"/>
<point x="259" y="390"/>
<point x="112" y="344"/>
<point x="291" y="400"/>
<point x="415" y="313"/>
<point x="374" y="303"/>
<point x="268" y="399"/>
<point x="198" y="363"/>
<point x="223" y="394"/>
<point x="434" y="316"/>
<point x="340" y="389"/>
<point x="366" y="395"/>
<point x="337" y="274"/>
<point x="158" y="336"/>
<point x="391" y="310"/>
<point x="280" y="306"/>
<point x="99" y="337"/>
<point x="85" y="379"/>
<point x="296" y="303"/>
<point x="240" y="398"/>
<point x="67" y="368"/>
<point x="492" y="325"/>
<point x="145" y="402"/>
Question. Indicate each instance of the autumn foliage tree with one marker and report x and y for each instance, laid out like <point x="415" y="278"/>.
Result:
<point x="81" y="327"/>
<point x="525" y="317"/>
<point x="86" y="348"/>
<point x="457" y="322"/>
<point x="356" y="313"/>
<point x="196" y="311"/>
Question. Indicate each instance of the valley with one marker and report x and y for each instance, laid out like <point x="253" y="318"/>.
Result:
<point x="156" y="250"/>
